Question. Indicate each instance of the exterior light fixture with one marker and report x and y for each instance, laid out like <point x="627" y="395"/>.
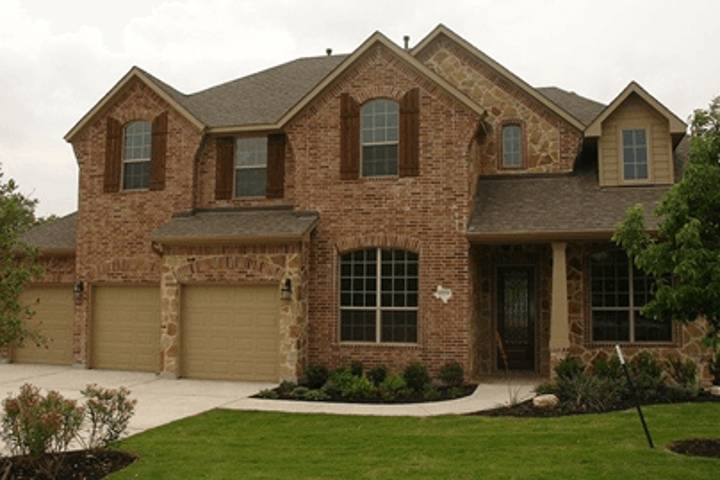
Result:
<point x="78" y="288"/>
<point x="286" y="290"/>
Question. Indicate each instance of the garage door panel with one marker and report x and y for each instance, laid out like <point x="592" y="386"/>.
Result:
<point x="53" y="319"/>
<point x="126" y="328"/>
<point x="230" y="332"/>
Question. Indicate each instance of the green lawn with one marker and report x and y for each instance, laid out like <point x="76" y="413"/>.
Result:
<point x="224" y="444"/>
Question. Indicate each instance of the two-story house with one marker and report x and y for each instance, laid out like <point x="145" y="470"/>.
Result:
<point x="391" y="205"/>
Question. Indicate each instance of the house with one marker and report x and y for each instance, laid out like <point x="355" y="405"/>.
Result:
<point x="388" y="206"/>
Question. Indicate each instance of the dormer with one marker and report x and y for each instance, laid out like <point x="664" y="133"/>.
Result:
<point x="636" y="136"/>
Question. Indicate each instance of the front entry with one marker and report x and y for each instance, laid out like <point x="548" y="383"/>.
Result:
<point x="516" y="318"/>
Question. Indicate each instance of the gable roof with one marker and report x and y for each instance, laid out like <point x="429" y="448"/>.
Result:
<point x="54" y="237"/>
<point x="677" y="126"/>
<point x="443" y="30"/>
<point x="578" y="106"/>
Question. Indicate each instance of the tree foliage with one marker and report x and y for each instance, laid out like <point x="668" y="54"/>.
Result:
<point x="684" y="256"/>
<point x="18" y="265"/>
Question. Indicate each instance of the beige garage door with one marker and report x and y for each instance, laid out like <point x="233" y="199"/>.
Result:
<point x="230" y="333"/>
<point x="126" y="328"/>
<point x="53" y="319"/>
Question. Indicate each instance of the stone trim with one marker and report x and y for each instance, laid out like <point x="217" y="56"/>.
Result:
<point x="382" y="240"/>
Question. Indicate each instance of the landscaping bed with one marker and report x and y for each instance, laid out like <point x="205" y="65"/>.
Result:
<point x="697" y="447"/>
<point x="77" y="465"/>
<point x="352" y="384"/>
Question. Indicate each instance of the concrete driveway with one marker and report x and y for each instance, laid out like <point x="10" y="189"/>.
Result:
<point x="160" y="401"/>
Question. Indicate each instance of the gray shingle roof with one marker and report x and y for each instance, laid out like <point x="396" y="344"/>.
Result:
<point x="579" y="107"/>
<point x="259" y="98"/>
<point x="57" y="236"/>
<point x="236" y="226"/>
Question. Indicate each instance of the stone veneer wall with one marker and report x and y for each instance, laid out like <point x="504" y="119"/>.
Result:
<point x="223" y="265"/>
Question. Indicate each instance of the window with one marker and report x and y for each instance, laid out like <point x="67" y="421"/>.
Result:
<point x="137" y="141"/>
<point x="379" y="138"/>
<point x="512" y="146"/>
<point x="250" y="166"/>
<point x="634" y="144"/>
<point x="618" y="290"/>
<point x="379" y="311"/>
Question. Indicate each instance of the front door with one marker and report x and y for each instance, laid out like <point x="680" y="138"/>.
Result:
<point x="516" y="318"/>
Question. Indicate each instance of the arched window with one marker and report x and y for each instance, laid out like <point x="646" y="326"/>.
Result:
<point x="379" y="137"/>
<point x="618" y="291"/>
<point x="512" y="146"/>
<point x="379" y="296"/>
<point x="137" y="141"/>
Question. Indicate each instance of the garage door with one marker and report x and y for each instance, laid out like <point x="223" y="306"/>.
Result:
<point x="230" y="333"/>
<point x="53" y="318"/>
<point x="126" y="328"/>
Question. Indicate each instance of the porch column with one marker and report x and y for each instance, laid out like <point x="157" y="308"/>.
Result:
<point x="559" y="328"/>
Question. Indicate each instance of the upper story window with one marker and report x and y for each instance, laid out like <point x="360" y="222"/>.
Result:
<point x="618" y="291"/>
<point x="136" y="154"/>
<point x="379" y="296"/>
<point x="635" y="154"/>
<point x="379" y="137"/>
<point x="512" y="146"/>
<point x="250" y="166"/>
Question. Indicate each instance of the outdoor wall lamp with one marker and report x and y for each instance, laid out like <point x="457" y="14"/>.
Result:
<point x="78" y="288"/>
<point x="286" y="290"/>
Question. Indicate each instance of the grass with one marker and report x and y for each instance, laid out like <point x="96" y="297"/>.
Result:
<point x="223" y="444"/>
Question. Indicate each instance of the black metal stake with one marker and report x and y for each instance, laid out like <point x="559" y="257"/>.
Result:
<point x="633" y="390"/>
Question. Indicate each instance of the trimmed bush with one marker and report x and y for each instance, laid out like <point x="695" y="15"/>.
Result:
<point x="682" y="373"/>
<point x="357" y="368"/>
<point x="416" y="376"/>
<point x="393" y="387"/>
<point x="589" y="393"/>
<point x="338" y="382"/>
<point x="316" y="395"/>
<point x="377" y="374"/>
<point x="452" y="374"/>
<point x="316" y="376"/>
<point x="647" y="375"/>
<point x="299" y="392"/>
<point x="268" y="393"/>
<point x="108" y="411"/>
<point x="611" y="369"/>
<point x="431" y="394"/>
<point x="360" y="388"/>
<point x="569" y="367"/>
<point x="286" y="387"/>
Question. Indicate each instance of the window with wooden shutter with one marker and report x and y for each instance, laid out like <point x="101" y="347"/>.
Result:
<point x="410" y="134"/>
<point x="113" y="156"/>
<point x="224" y="168"/>
<point x="275" y="165"/>
<point x="349" y="137"/>
<point x="159" y="151"/>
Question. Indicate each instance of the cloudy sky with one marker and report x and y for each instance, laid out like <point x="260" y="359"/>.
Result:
<point x="57" y="58"/>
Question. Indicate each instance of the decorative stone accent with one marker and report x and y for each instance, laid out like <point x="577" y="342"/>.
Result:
<point x="545" y="402"/>
<point x="715" y="390"/>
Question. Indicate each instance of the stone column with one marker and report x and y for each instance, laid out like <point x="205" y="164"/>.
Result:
<point x="559" y="321"/>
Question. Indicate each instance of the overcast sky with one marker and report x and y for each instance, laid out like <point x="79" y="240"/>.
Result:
<point x="57" y="58"/>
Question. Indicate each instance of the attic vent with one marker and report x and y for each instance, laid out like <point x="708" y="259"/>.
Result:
<point x="328" y="51"/>
<point x="406" y="41"/>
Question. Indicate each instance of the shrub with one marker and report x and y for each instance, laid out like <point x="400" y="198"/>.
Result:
<point x="431" y="394"/>
<point x="611" y="369"/>
<point x="684" y="374"/>
<point x="416" y="376"/>
<point x="286" y="387"/>
<point x="299" y="392"/>
<point x="316" y="376"/>
<point x="35" y="425"/>
<point x="647" y="375"/>
<point x="393" y="387"/>
<point x="108" y="411"/>
<point x="338" y="382"/>
<point x="589" y="393"/>
<point x="268" y="393"/>
<point x="377" y="374"/>
<point x="316" y="395"/>
<point x="452" y="374"/>
<point x="360" y="388"/>
<point x="715" y="368"/>
<point x="569" y="367"/>
<point x="356" y="368"/>
<point x="456" y="392"/>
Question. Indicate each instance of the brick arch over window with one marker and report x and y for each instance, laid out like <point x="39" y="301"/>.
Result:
<point x="233" y="268"/>
<point x="366" y="94"/>
<point x="117" y="269"/>
<point x="383" y="240"/>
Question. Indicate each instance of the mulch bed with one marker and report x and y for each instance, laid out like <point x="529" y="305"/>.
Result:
<point x="78" y="465"/>
<point x="526" y="409"/>
<point x="697" y="447"/>
<point x="443" y="392"/>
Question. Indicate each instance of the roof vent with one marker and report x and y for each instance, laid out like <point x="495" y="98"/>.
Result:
<point x="328" y="51"/>
<point x="406" y="40"/>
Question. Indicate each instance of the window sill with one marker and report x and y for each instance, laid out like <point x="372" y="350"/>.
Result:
<point x="657" y="344"/>
<point x="379" y="344"/>
<point x="133" y="190"/>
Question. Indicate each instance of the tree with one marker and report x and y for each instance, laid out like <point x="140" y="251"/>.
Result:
<point x="684" y="256"/>
<point x="18" y="265"/>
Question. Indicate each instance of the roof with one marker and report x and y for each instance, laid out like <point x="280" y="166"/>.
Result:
<point x="578" y="106"/>
<point x="564" y="206"/>
<point x="236" y="226"/>
<point x="53" y="237"/>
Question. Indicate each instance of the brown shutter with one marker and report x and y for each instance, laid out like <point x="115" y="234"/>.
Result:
<point x="159" y="150"/>
<point x="113" y="154"/>
<point x="410" y="134"/>
<point x="349" y="137"/>
<point x="224" y="165"/>
<point x="275" y="165"/>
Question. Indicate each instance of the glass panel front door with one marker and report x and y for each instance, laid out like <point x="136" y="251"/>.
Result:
<point x="516" y="318"/>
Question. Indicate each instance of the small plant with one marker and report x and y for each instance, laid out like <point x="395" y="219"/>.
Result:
<point x="416" y="376"/>
<point x="316" y="396"/>
<point x="108" y="411"/>
<point x="286" y="387"/>
<point x="268" y="393"/>
<point x="608" y="368"/>
<point x="684" y="374"/>
<point x="360" y="388"/>
<point x="393" y="387"/>
<point x="569" y="367"/>
<point x="338" y="382"/>
<point x="357" y="368"/>
<point x="377" y="374"/>
<point x="316" y="376"/>
<point x="431" y="394"/>
<point x="452" y="374"/>
<point x="456" y="392"/>
<point x="299" y="392"/>
<point x="647" y="375"/>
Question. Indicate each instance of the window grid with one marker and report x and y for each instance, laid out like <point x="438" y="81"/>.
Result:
<point x="250" y="167"/>
<point x="387" y="314"/>
<point x="618" y="291"/>
<point x="512" y="146"/>
<point x="634" y="144"/>
<point x="136" y="157"/>
<point x="379" y="137"/>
